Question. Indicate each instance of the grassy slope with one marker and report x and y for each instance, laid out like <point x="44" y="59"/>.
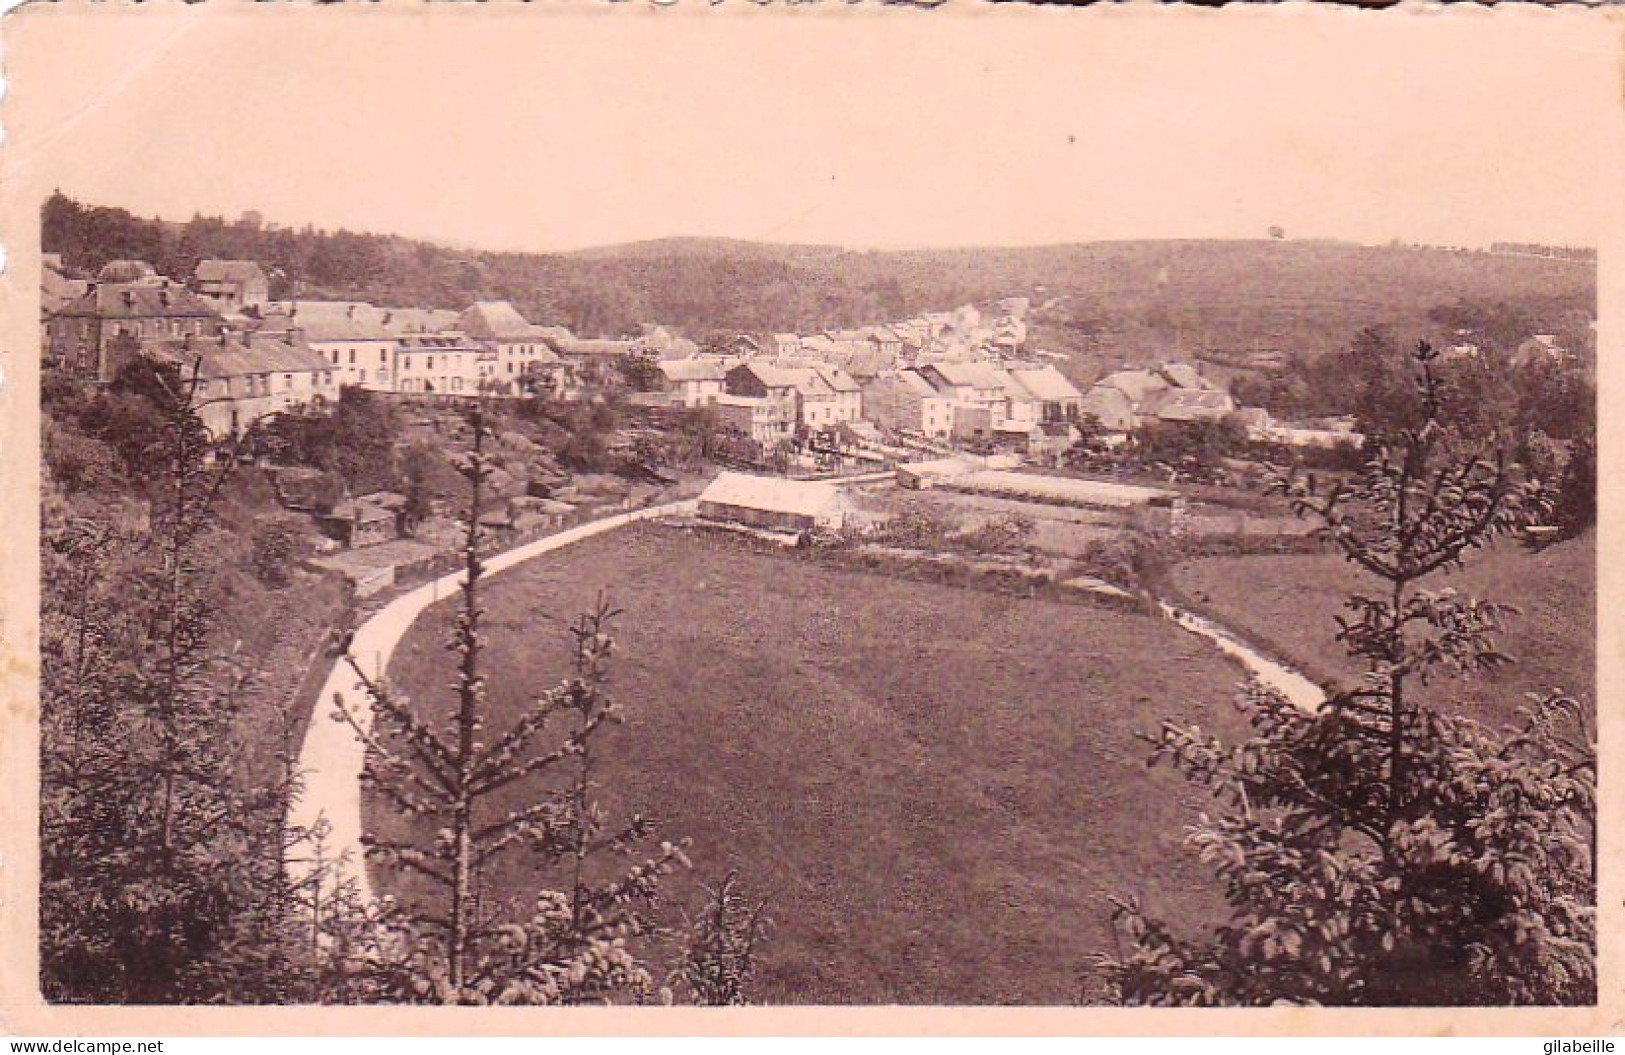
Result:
<point x="1289" y="603"/>
<point x="938" y="787"/>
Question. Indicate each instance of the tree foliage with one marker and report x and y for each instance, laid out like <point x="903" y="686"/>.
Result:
<point x="577" y="941"/>
<point x="160" y="866"/>
<point x="719" y="961"/>
<point x="1377" y="851"/>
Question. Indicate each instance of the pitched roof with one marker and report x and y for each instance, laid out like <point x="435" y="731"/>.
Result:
<point x="57" y="291"/>
<point x="555" y="335"/>
<point x="127" y="271"/>
<point x="868" y="364"/>
<point x="310" y="313"/>
<point x="1046" y="383"/>
<point x="1135" y="384"/>
<point x="775" y="376"/>
<point x="1183" y="375"/>
<point x="229" y="271"/>
<point x="836" y="378"/>
<point x="912" y="379"/>
<point x="593" y="346"/>
<point x="362" y="327"/>
<point x="239" y="356"/>
<point x="693" y="369"/>
<point x="1188" y="404"/>
<point x="773" y="494"/>
<point x="138" y="300"/>
<point x="418" y="320"/>
<point x="441" y="341"/>
<point x="498" y="320"/>
<point x="821" y="345"/>
<point x="973" y="375"/>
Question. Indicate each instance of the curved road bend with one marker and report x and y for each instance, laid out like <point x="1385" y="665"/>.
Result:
<point x="331" y="756"/>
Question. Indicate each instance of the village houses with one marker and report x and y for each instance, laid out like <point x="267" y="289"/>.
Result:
<point x="817" y="396"/>
<point x="95" y="334"/>
<point x="1127" y="399"/>
<point x="232" y="286"/>
<point x="355" y="343"/>
<point x="446" y="363"/>
<point x="694" y="382"/>
<point x="524" y="351"/>
<point x="244" y="379"/>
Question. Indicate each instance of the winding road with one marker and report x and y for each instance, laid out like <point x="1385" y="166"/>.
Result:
<point x="331" y="755"/>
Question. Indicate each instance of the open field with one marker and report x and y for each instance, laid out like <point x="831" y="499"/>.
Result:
<point x="937" y="787"/>
<point x="1287" y="603"/>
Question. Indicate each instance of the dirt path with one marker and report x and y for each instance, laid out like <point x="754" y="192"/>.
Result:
<point x="331" y="756"/>
<point x="1299" y="690"/>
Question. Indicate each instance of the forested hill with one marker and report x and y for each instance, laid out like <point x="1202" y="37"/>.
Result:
<point x="1101" y="301"/>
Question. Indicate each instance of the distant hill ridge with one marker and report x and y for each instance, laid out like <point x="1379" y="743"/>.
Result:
<point x="1109" y="302"/>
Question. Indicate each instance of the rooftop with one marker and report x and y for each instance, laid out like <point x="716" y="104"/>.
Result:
<point x="773" y="494"/>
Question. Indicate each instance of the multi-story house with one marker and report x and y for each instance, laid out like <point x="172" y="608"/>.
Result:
<point x="695" y="382"/>
<point x="98" y="332"/>
<point x="524" y="351"/>
<point x="446" y="363"/>
<point x="243" y="379"/>
<point x="360" y="350"/>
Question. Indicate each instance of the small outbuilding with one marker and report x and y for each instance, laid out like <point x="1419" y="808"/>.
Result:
<point x="773" y="503"/>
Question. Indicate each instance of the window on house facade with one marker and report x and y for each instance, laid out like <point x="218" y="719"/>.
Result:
<point x="352" y="356"/>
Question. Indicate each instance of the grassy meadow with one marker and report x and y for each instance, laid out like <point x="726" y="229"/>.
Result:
<point x="1288" y="604"/>
<point x="938" y="788"/>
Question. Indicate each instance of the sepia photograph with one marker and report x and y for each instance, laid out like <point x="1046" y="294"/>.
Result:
<point x="985" y="507"/>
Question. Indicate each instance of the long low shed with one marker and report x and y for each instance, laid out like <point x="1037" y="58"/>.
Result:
<point x="773" y="502"/>
<point x="1056" y="490"/>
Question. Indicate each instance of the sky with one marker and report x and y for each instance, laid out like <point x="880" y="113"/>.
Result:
<point x="504" y="127"/>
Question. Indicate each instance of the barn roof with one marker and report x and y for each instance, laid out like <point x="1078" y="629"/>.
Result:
<point x="772" y="494"/>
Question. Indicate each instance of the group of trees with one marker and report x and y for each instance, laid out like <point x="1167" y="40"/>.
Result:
<point x="161" y="870"/>
<point x="1371" y="381"/>
<point x="1377" y="850"/>
<point x="164" y="840"/>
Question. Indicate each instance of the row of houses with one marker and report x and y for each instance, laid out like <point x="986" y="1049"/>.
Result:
<point x="771" y="401"/>
<point x="963" y="334"/>
<point x="255" y="355"/>
<point x="258" y="356"/>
